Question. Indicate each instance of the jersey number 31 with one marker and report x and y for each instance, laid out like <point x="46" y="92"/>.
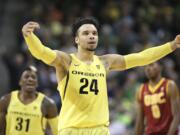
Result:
<point x="20" y="124"/>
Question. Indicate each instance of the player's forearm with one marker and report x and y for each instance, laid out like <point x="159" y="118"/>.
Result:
<point x="38" y="50"/>
<point x="139" y="128"/>
<point x="2" y="122"/>
<point x="139" y="125"/>
<point x="2" y="129"/>
<point x="2" y="133"/>
<point x="148" y="56"/>
<point x="174" y="125"/>
<point x="53" y="122"/>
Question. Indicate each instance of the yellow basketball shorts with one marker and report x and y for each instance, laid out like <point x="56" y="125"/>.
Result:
<point x="102" y="130"/>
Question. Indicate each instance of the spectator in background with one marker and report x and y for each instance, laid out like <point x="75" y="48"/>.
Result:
<point x="157" y="104"/>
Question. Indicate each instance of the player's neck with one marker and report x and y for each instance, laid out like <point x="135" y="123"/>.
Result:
<point x="86" y="56"/>
<point x="27" y="97"/>
<point x="154" y="81"/>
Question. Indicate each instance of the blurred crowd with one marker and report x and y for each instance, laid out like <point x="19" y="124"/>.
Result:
<point x="126" y="26"/>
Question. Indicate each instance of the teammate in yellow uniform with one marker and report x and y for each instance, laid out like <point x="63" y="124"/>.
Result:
<point x="27" y="112"/>
<point x="82" y="76"/>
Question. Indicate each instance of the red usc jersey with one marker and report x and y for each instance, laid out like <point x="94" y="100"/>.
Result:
<point x="157" y="108"/>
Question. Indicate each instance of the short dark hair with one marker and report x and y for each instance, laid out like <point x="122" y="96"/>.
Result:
<point x="81" y="21"/>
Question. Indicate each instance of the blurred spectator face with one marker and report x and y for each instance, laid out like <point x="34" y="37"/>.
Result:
<point x="28" y="81"/>
<point x="87" y="37"/>
<point x="152" y="70"/>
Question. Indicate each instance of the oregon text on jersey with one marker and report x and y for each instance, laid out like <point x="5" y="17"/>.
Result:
<point x="88" y="74"/>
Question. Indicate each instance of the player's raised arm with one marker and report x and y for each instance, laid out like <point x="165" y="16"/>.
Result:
<point x="175" y="100"/>
<point x="38" y="50"/>
<point x="119" y="62"/>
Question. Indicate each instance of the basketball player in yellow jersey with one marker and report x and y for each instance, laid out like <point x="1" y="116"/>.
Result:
<point x="82" y="76"/>
<point x="27" y="112"/>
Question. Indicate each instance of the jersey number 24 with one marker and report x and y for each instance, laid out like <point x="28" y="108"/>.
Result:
<point x="85" y="83"/>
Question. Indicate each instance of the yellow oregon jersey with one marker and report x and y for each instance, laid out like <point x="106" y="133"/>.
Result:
<point x="25" y="119"/>
<point x="84" y="95"/>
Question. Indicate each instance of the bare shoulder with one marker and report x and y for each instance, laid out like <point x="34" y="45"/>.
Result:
<point x="62" y="64"/>
<point x="103" y="58"/>
<point x="49" y="108"/>
<point x="5" y="98"/>
<point x="63" y="54"/>
<point x="4" y="102"/>
<point x="171" y="84"/>
<point x="48" y="102"/>
<point x="105" y="61"/>
<point x="172" y="88"/>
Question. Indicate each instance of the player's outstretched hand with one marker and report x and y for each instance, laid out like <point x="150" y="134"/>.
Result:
<point x="176" y="42"/>
<point x="29" y="27"/>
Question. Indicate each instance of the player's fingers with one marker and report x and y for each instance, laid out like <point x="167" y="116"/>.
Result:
<point x="33" y="24"/>
<point x="27" y="28"/>
<point x="30" y="29"/>
<point x="178" y="37"/>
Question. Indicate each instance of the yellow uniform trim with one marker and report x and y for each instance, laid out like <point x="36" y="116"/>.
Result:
<point x="155" y="88"/>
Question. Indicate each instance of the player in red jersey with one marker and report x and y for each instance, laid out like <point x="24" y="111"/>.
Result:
<point x="158" y="111"/>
